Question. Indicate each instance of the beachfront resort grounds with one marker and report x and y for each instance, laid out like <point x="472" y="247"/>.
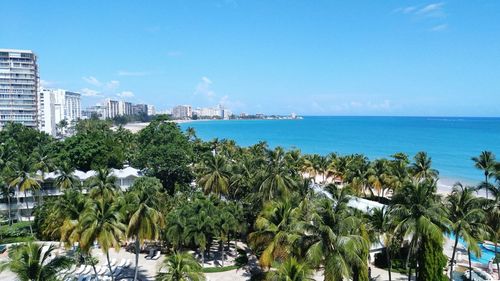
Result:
<point x="123" y="262"/>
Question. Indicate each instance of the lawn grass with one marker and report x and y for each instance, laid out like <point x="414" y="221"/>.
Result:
<point x="219" y="269"/>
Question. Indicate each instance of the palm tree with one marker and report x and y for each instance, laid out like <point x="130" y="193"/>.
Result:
<point x="65" y="178"/>
<point x="229" y="223"/>
<point x="485" y="162"/>
<point x="332" y="238"/>
<point x="30" y="262"/>
<point x="276" y="231"/>
<point x="191" y="133"/>
<point x="43" y="163"/>
<point x="181" y="266"/>
<point x="69" y="207"/>
<point x="418" y="212"/>
<point x="174" y="231"/>
<point x="276" y="179"/>
<point x="102" y="185"/>
<point x="465" y="214"/>
<point x="379" y="177"/>
<point x="199" y="227"/>
<point x="421" y="168"/>
<point x="145" y="221"/>
<point x="25" y="179"/>
<point x="7" y="192"/>
<point x="291" y="270"/>
<point x="101" y="222"/>
<point x="383" y="228"/>
<point x="316" y="165"/>
<point x="493" y="220"/>
<point x="214" y="175"/>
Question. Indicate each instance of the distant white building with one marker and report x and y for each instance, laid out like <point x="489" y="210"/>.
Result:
<point x="124" y="108"/>
<point x="225" y="113"/>
<point x="182" y="112"/>
<point x="56" y="105"/>
<point x="113" y="108"/>
<point x="207" y="112"/>
<point x="151" y="110"/>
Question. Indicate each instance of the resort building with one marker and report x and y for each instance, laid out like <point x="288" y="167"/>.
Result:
<point x="21" y="204"/>
<point x="138" y="109"/>
<point x="125" y="108"/>
<point x="113" y="108"/>
<point x="18" y="87"/>
<point x="207" y="112"/>
<point x="151" y="110"/>
<point x="97" y="111"/>
<point x="56" y="105"/>
<point x="182" y="112"/>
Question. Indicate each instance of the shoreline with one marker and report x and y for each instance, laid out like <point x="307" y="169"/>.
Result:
<point x="444" y="184"/>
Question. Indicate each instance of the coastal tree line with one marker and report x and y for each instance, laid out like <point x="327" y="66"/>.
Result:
<point x="291" y="209"/>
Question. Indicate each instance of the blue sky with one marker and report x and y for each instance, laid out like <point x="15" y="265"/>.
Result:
<point x="270" y="56"/>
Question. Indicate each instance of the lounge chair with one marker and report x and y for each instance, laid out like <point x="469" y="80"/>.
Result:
<point x="87" y="270"/>
<point x="83" y="277"/>
<point x="80" y="269"/>
<point x="150" y="255"/>
<point x="117" y="271"/>
<point x="157" y="255"/>
<point x="122" y="262"/>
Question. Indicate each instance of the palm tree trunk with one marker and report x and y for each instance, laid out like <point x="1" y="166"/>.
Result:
<point x="136" y="270"/>
<point x="9" y="208"/>
<point x="389" y="265"/>
<point x="486" y="180"/>
<point x="496" y="255"/>
<point x="202" y="258"/>
<point x="408" y="266"/>
<point x="470" y="265"/>
<point x="29" y="213"/>
<point x="109" y="266"/>
<point x="222" y="252"/>
<point x="95" y="272"/>
<point x="453" y="256"/>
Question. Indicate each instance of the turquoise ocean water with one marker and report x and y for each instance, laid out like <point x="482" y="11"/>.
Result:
<point x="450" y="141"/>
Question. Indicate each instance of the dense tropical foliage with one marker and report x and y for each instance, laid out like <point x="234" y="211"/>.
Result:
<point x="292" y="210"/>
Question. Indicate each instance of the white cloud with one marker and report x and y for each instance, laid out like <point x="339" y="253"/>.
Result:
<point x="440" y="27"/>
<point x="131" y="73"/>
<point x="430" y="10"/>
<point x="430" y="13"/>
<point x="126" y="94"/>
<point x="86" y="92"/>
<point x="204" y="88"/>
<point x="434" y="9"/>
<point x="206" y="80"/>
<point x="92" y="81"/>
<point x="113" y="84"/>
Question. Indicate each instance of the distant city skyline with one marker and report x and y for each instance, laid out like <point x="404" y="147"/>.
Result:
<point x="418" y="58"/>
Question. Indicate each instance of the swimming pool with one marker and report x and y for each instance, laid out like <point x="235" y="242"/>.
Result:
<point x="487" y="251"/>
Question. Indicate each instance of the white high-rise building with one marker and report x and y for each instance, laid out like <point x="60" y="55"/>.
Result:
<point x="113" y="108"/>
<point x="182" y="112"/>
<point x="151" y="110"/>
<point x="56" y="105"/>
<point x="72" y="106"/>
<point x="125" y="108"/>
<point x="18" y="87"/>
<point x="207" y="112"/>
